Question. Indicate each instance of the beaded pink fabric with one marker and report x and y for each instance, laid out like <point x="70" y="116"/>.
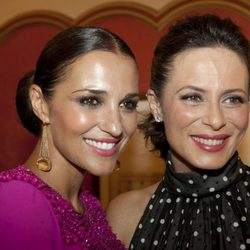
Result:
<point x="89" y="230"/>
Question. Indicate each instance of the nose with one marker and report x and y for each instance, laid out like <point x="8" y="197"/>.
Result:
<point x="112" y="122"/>
<point x="214" y="117"/>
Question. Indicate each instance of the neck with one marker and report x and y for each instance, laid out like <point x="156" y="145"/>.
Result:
<point x="65" y="178"/>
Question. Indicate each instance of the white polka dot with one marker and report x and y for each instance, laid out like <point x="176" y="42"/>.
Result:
<point x="187" y="245"/>
<point x="178" y="190"/>
<point x="182" y="211"/>
<point x="151" y="207"/>
<point x="239" y="198"/>
<point x="212" y="189"/>
<point x="170" y="163"/>
<point x="178" y="200"/>
<point x="164" y="233"/>
<point x="198" y="211"/>
<point x="240" y="171"/>
<point x="171" y="211"/>
<point x="195" y="200"/>
<point x="245" y="210"/>
<point x="217" y="196"/>
<point x="142" y="240"/>
<point x="243" y="218"/>
<point x="162" y="221"/>
<point x="161" y="201"/>
<point x="183" y="221"/>
<point x="140" y="226"/>
<point x="188" y="200"/>
<point x="245" y="183"/>
<point x="225" y="178"/>
<point x="248" y="194"/>
<point x="228" y="239"/>
<point x="218" y="229"/>
<point x="223" y="217"/>
<point x="163" y="190"/>
<point x="172" y="221"/>
<point x="194" y="195"/>
<point x="195" y="233"/>
<point x="204" y="176"/>
<point x="191" y="182"/>
<point x="248" y="241"/>
<point x="153" y="196"/>
<point x="152" y="220"/>
<point x="229" y="203"/>
<point x="176" y="233"/>
<point x="235" y="224"/>
<point x="132" y="246"/>
<point x="228" y="193"/>
<point x="217" y="208"/>
<point x="155" y="242"/>
<point x="168" y="200"/>
<point x="242" y="247"/>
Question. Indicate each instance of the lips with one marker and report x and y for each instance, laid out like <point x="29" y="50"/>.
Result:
<point x="210" y="143"/>
<point x="103" y="147"/>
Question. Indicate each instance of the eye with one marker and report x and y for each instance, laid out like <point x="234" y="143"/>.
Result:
<point x="192" y="98"/>
<point x="234" y="100"/>
<point x="89" y="101"/>
<point x="130" y="105"/>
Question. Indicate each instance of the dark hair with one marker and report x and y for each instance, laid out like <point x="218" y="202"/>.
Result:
<point x="189" y="33"/>
<point x="60" y="52"/>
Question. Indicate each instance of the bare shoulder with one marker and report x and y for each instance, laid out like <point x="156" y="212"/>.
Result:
<point x="125" y="211"/>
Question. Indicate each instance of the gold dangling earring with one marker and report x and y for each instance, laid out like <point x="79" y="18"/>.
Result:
<point x="43" y="163"/>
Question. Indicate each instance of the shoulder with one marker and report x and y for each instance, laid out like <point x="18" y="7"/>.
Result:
<point x="125" y="211"/>
<point x="25" y="214"/>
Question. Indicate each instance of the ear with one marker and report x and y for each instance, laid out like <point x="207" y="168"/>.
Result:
<point x="154" y="105"/>
<point x="38" y="103"/>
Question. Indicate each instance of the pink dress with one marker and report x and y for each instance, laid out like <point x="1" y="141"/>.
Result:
<point x="33" y="216"/>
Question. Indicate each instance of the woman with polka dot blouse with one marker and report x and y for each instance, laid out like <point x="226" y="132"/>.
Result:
<point x="198" y="98"/>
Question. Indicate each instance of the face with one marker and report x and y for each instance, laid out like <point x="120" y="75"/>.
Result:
<point x="93" y="112"/>
<point x="204" y="107"/>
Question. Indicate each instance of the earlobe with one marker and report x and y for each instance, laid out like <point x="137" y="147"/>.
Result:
<point x="154" y="105"/>
<point x="39" y="105"/>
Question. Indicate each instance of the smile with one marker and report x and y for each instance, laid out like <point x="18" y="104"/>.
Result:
<point x="100" y="145"/>
<point x="208" y="142"/>
<point x="211" y="143"/>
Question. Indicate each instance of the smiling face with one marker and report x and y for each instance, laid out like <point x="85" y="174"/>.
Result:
<point x="204" y="107"/>
<point x="93" y="112"/>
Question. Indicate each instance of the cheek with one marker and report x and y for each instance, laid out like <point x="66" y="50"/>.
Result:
<point x="71" y="119"/>
<point x="179" y="116"/>
<point x="129" y="123"/>
<point x="239" y="118"/>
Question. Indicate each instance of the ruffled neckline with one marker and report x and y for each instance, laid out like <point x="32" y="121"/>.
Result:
<point x="203" y="182"/>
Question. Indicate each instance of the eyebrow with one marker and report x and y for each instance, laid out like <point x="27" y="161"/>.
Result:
<point x="228" y="91"/>
<point x="103" y="92"/>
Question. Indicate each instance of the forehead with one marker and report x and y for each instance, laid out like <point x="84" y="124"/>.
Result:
<point x="101" y="69"/>
<point x="208" y="67"/>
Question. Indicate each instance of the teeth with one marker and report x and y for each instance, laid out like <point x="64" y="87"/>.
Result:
<point x="100" y="145"/>
<point x="209" y="142"/>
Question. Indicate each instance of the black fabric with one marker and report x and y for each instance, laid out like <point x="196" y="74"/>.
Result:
<point x="198" y="210"/>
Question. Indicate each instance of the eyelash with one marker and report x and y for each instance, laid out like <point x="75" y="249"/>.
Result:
<point x="235" y="100"/>
<point x="90" y="101"/>
<point x="191" y="98"/>
<point x="130" y="105"/>
<point x="93" y="102"/>
<point x="196" y="98"/>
